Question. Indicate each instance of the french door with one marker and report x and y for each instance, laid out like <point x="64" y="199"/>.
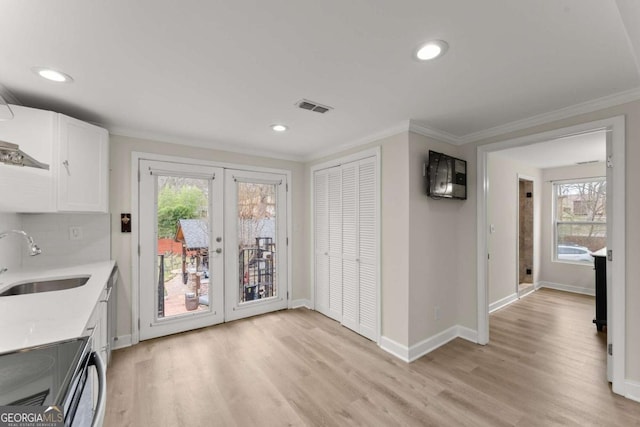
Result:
<point x="212" y="245"/>
<point x="256" y="246"/>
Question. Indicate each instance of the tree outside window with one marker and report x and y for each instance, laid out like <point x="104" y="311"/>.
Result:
<point x="580" y="219"/>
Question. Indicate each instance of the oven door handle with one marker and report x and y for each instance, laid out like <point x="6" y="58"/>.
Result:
<point x="98" y="415"/>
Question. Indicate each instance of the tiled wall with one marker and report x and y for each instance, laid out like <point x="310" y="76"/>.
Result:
<point x="526" y="232"/>
<point x="51" y="233"/>
<point x="9" y="256"/>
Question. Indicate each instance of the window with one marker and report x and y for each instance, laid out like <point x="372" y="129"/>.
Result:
<point x="580" y="219"/>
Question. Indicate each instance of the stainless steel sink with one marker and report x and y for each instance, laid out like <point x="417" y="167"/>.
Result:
<point x="45" y="286"/>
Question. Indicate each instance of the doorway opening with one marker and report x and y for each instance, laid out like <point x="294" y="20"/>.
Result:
<point x="614" y="129"/>
<point x="525" y="237"/>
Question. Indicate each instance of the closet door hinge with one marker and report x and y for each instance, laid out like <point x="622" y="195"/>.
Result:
<point x="287" y="241"/>
<point x="610" y="349"/>
<point x="609" y="161"/>
<point x="286" y="186"/>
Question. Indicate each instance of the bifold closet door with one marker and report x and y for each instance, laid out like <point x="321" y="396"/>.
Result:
<point x="328" y="242"/>
<point x="321" y="233"/>
<point x="368" y="249"/>
<point x="336" y="294"/>
<point x="346" y="245"/>
<point x="359" y="222"/>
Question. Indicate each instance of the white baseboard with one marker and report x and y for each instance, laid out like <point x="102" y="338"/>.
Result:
<point x="567" y="288"/>
<point x="400" y="351"/>
<point x="468" y="334"/>
<point x="416" y="351"/>
<point x="122" y="341"/>
<point x="297" y="303"/>
<point x="503" y="302"/>
<point x="632" y="390"/>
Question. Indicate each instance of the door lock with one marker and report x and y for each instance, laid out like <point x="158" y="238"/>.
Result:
<point x="218" y="239"/>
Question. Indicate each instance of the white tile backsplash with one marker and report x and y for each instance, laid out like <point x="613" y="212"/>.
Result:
<point x="51" y="234"/>
<point x="9" y="249"/>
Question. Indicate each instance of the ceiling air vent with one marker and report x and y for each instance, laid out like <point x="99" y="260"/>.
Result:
<point x="305" y="104"/>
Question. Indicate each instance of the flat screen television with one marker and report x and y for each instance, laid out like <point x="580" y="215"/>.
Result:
<point x="446" y="177"/>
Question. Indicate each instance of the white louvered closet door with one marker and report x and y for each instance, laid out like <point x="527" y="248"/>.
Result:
<point x="321" y="230"/>
<point x="350" y="280"/>
<point x="346" y="244"/>
<point x="335" y="244"/>
<point x="368" y="248"/>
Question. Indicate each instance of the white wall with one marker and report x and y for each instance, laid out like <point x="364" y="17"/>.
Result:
<point x="433" y="248"/>
<point x="120" y="202"/>
<point x="503" y="214"/>
<point x="579" y="278"/>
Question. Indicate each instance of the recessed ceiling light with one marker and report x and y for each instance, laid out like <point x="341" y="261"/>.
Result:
<point x="52" y="75"/>
<point x="279" y="128"/>
<point x="432" y="50"/>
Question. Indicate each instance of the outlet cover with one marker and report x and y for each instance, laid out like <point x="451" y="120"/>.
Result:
<point x="75" y="233"/>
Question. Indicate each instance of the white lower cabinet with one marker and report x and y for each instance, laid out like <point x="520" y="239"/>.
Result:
<point x="346" y="244"/>
<point x="76" y="152"/>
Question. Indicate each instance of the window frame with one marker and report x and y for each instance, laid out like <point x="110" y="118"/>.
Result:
<point x="555" y="185"/>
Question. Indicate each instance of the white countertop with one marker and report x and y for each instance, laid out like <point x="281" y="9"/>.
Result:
<point x="36" y="319"/>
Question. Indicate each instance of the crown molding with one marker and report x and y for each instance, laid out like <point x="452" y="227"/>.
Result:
<point x="555" y="115"/>
<point x="199" y="143"/>
<point x="394" y="130"/>
<point x="434" y="133"/>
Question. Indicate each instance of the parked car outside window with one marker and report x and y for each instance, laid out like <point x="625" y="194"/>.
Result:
<point x="574" y="253"/>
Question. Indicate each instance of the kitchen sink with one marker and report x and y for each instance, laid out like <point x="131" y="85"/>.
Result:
<point x="45" y="286"/>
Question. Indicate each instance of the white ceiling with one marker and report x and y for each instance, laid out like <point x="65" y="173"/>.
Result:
<point x="571" y="150"/>
<point x="219" y="73"/>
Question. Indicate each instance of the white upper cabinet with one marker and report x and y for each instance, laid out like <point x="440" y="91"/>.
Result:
<point x="77" y="154"/>
<point x="26" y="189"/>
<point x="82" y="165"/>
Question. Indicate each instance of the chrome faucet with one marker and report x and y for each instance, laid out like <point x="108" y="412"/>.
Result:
<point x="33" y="248"/>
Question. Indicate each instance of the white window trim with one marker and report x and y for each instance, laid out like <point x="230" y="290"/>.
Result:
<point x="555" y="222"/>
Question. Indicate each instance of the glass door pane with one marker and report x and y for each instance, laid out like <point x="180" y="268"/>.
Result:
<point x="182" y="218"/>
<point x="181" y="275"/>
<point x="256" y="243"/>
<point x="256" y="230"/>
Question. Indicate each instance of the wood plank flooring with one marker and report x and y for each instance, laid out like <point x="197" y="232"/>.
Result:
<point x="545" y="366"/>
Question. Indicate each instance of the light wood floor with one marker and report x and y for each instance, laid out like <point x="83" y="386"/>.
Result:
<point x="545" y="366"/>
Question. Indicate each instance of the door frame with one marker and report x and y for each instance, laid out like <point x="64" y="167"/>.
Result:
<point x="360" y="155"/>
<point x="617" y="316"/>
<point x="136" y="157"/>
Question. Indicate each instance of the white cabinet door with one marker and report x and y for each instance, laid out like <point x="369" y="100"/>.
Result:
<point x="27" y="189"/>
<point x="83" y="166"/>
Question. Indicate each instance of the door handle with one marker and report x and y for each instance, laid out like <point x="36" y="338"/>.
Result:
<point x="219" y="250"/>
